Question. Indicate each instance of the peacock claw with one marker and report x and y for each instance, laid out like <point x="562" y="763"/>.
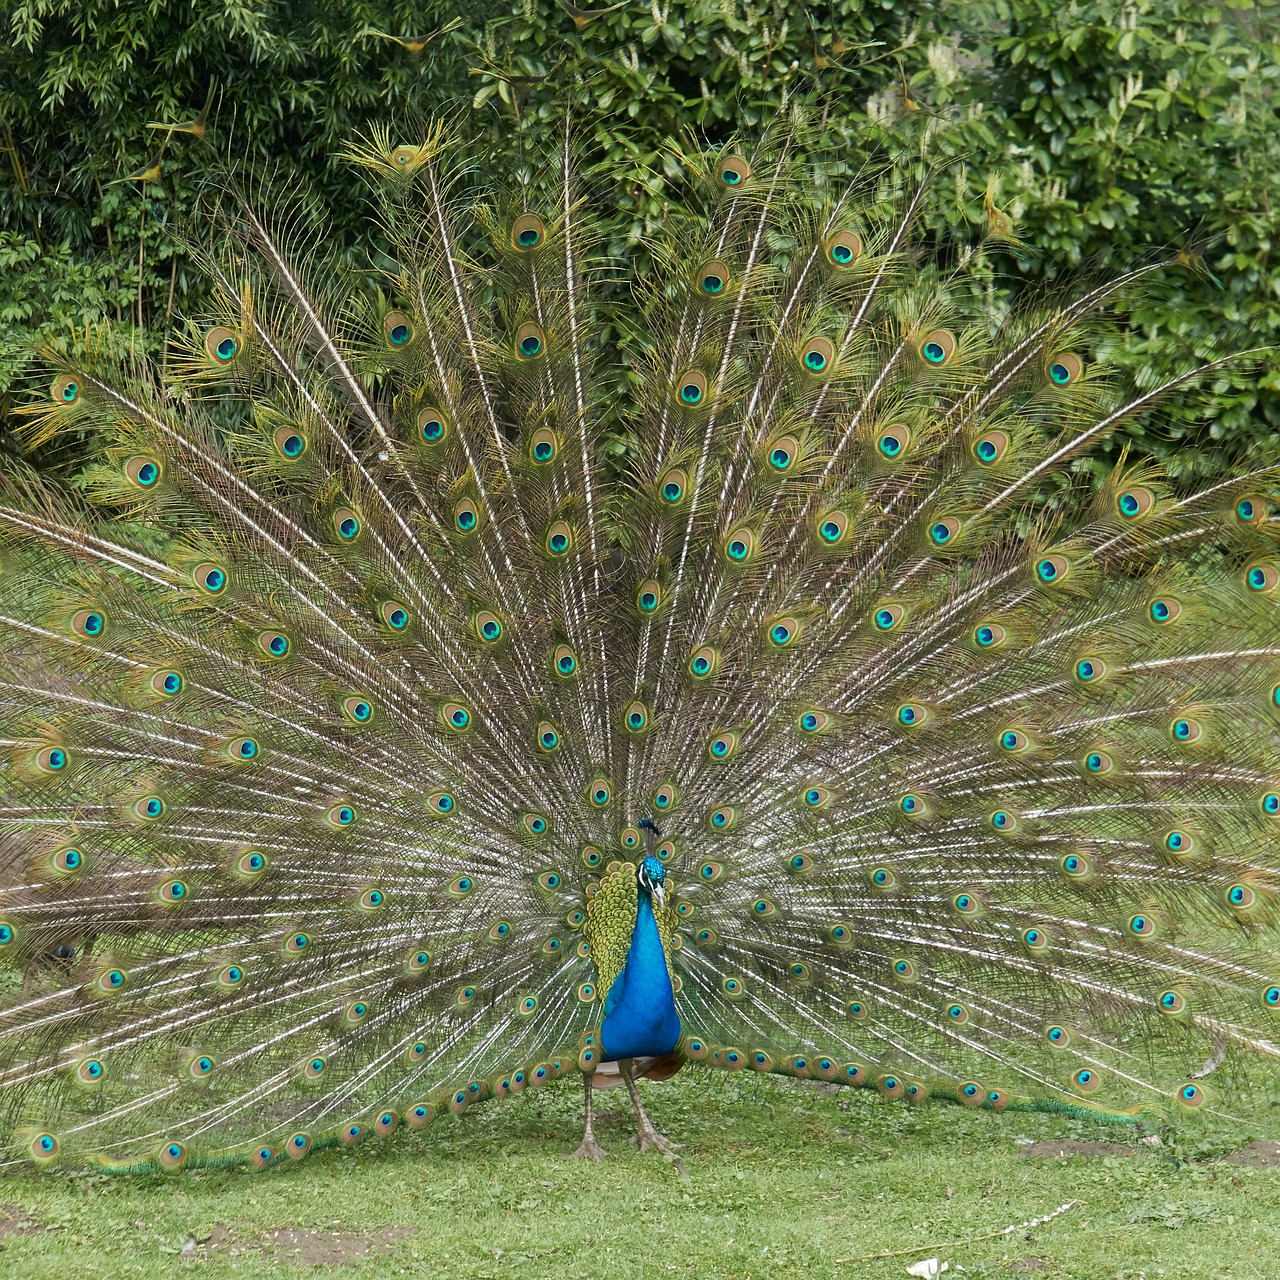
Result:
<point x="652" y="1140"/>
<point x="589" y="1150"/>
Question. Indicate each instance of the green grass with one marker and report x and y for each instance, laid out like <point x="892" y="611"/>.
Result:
<point x="785" y="1180"/>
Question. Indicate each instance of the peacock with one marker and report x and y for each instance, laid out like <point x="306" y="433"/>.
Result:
<point x="514" y="662"/>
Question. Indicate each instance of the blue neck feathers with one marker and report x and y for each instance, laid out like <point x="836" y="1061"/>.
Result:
<point x="640" y="1009"/>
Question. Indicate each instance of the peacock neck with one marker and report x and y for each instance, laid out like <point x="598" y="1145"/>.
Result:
<point x="640" y="1017"/>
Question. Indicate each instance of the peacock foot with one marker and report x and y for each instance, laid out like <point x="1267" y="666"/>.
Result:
<point x="651" y="1140"/>
<point x="589" y="1150"/>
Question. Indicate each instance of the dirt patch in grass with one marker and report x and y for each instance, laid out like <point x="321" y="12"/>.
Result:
<point x="318" y="1248"/>
<point x="1264" y="1153"/>
<point x="1032" y="1265"/>
<point x="14" y="1221"/>
<point x="1070" y="1147"/>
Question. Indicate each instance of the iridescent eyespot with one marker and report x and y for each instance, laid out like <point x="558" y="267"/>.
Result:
<point x="371" y="900"/>
<point x="547" y="737"/>
<point x="957" y="1014"/>
<point x="462" y="886"/>
<point x="1052" y="570"/>
<point x="211" y="578"/>
<point x="723" y="818"/>
<point x="913" y="806"/>
<point x="630" y="838"/>
<point x="1250" y="509"/>
<point x="817" y="355"/>
<point x="783" y="632"/>
<point x="1262" y="578"/>
<point x="635" y="717"/>
<point x="1133" y="504"/>
<point x="341" y="815"/>
<point x="173" y="1155"/>
<point x="550" y="880"/>
<point x="394" y="615"/>
<point x="783" y="453"/>
<point x="1179" y="843"/>
<point x="813" y="721"/>
<point x="1013" y="741"/>
<point x="221" y="344"/>
<point x="831" y="528"/>
<point x="665" y="851"/>
<point x="989" y="635"/>
<point x="592" y="856"/>
<point x="433" y="426"/>
<point x="1076" y="866"/>
<point x="419" y="1115"/>
<point x="815" y="797"/>
<point x="242" y="750"/>
<point x="290" y="443"/>
<point x="704" y="662"/>
<point x="500" y="932"/>
<point x="739" y="546"/>
<point x="1059" y="1037"/>
<point x="441" y="803"/>
<point x="543" y="445"/>
<point x="844" y="249"/>
<point x="888" y="616"/>
<point x="68" y="862"/>
<point x="1064" y="368"/>
<point x="397" y="328"/>
<point x="903" y="970"/>
<point x="165" y="684"/>
<point x="882" y="878"/>
<point x="232" y="976"/>
<point x="530" y="341"/>
<point x="142" y="472"/>
<point x="559" y="539"/>
<point x="1269" y="803"/>
<point x="599" y="792"/>
<point x="52" y="760"/>
<point x="488" y="627"/>
<point x="1090" y="670"/>
<point x="1099" y="763"/>
<point x="673" y="487"/>
<point x="713" y="278"/>
<point x="733" y="987"/>
<point x="911" y="715"/>
<point x="945" y="531"/>
<point x="710" y="872"/>
<point x="938" y="347"/>
<point x="111" y="982"/>
<point x="90" y="623"/>
<point x="799" y="863"/>
<point x="535" y="824"/>
<point x="1185" y="730"/>
<point x="90" y="1071"/>
<point x="417" y="962"/>
<point x="466" y="516"/>
<point x="172" y="892"/>
<point x="1240" y="897"/>
<point x="564" y="662"/>
<point x="1172" y="1002"/>
<point x="648" y="597"/>
<point x="296" y="943"/>
<point x="455" y="717"/>
<point x="587" y="992"/>
<point x="691" y="389"/>
<point x="722" y="745"/>
<point x="733" y="171"/>
<point x="528" y="231"/>
<point x="893" y="442"/>
<point x="966" y="903"/>
<point x="148" y="808"/>
<point x="65" y="390"/>
<point x="1003" y="821"/>
<point x="1190" y="1095"/>
<point x="1164" y="609"/>
<point x="346" y="524"/>
<point x="1035" y="939"/>
<point x="1141" y="925"/>
<point x="988" y="449"/>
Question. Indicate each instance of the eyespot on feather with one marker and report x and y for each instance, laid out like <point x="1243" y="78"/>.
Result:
<point x="989" y="448"/>
<point x="844" y="248"/>
<point x="221" y="345"/>
<point x="289" y="442"/>
<point x="691" y="389"/>
<point x="1064" y="369"/>
<point x="713" y="278"/>
<point x="817" y="355"/>
<point x="531" y="341"/>
<point x="937" y="348"/>
<point x="142" y="472"/>
<point x="397" y="329"/>
<point x="733" y="172"/>
<point x="433" y="426"/>
<point x="528" y="231"/>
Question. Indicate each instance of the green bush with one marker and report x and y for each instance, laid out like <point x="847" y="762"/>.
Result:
<point x="1111" y="130"/>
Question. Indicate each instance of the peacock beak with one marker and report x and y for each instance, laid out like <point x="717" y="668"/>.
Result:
<point x="659" y="895"/>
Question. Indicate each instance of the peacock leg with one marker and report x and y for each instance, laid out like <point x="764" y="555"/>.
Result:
<point x="589" y="1149"/>
<point x="649" y="1137"/>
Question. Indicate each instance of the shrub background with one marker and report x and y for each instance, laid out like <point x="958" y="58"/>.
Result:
<point x="1114" y="128"/>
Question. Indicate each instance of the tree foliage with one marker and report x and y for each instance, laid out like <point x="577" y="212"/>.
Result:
<point x="1110" y="129"/>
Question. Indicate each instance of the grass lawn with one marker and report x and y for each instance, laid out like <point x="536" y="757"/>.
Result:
<point x="785" y="1180"/>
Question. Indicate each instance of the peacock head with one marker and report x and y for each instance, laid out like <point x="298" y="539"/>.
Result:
<point x="652" y="876"/>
